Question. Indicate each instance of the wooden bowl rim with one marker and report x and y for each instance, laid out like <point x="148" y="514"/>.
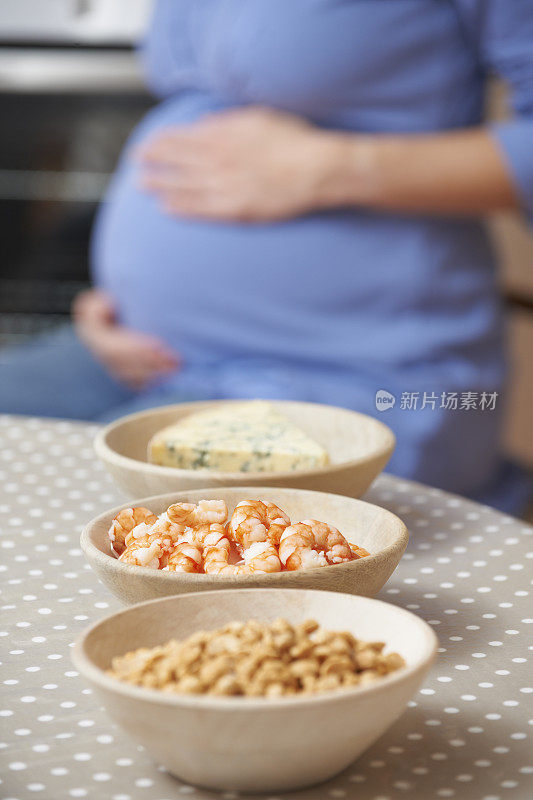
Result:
<point x="108" y="454"/>
<point x="85" y="665"/>
<point x="106" y="559"/>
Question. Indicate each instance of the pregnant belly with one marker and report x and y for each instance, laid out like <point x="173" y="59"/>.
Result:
<point x="217" y="288"/>
<point x="331" y="287"/>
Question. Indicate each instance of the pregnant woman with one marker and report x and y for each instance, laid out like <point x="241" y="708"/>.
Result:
<point x="299" y="218"/>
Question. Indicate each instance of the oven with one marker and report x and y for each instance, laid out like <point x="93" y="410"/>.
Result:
<point x="70" y="92"/>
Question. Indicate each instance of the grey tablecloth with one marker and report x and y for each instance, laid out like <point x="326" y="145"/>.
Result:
<point x="466" y="735"/>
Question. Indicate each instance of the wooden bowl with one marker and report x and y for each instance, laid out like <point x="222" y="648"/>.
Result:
<point x="359" y="447"/>
<point x="249" y="744"/>
<point x="374" y="528"/>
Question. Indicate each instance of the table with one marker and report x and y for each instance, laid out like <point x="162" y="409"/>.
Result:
<point x="466" y="735"/>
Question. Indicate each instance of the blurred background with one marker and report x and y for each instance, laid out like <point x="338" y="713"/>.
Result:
<point x="71" y="91"/>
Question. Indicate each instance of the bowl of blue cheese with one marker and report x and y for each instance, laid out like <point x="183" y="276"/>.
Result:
<point x="245" y="443"/>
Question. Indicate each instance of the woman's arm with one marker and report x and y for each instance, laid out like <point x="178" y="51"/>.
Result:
<point x="443" y="173"/>
<point x="257" y="164"/>
<point x="476" y="170"/>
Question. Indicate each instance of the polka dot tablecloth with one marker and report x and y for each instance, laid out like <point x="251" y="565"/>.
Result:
<point x="466" y="735"/>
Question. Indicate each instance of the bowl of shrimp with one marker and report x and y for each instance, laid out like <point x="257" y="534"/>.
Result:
<point x="358" y="448"/>
<point x="243" y="537"/>
<point x="253" y="742"/>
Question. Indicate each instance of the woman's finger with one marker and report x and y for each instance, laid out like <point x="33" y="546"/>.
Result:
<point x="172" y="180"/>
<point x="174" y="150"/>
<point x="203" y="205"/>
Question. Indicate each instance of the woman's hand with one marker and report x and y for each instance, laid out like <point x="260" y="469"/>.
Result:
<point x="131" y="357"/>
<point x="255" y="164"/>
<point x="250" y="164"/>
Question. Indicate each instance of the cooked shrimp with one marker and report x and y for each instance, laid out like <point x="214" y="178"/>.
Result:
<point x="185" y="557"/>
<point x="205" y="536"/>
<point x="313" y="544"/>
<point x="255" y="521"/>
<point x="124" y="522"/>
<point x="330" y="541"/>
<point x="262" y="557"/>
<point x="144" y="555"/>
<point x="165" y="532"/>
<point x="216" y="560"/>
<point x="297" y="548"/>
<point x="191" y="515"/>
<point x="359" y="552"/>
<point x="278" y="520"/>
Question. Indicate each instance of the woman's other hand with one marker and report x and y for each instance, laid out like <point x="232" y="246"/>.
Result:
<point x="250" y="164"/>
<point x="132" y="357"/>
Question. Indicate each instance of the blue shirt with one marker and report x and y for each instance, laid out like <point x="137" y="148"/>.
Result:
<point x="336" y="305"/>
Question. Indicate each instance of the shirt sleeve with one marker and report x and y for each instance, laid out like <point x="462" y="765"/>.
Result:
<point x="163" y="50"/>
<point x="502" y="33"/>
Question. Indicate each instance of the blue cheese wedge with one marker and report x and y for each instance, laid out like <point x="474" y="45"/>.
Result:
<point x="241" y="437"/>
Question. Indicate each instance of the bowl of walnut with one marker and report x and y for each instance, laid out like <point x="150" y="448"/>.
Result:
<point x="254" y="690"/>
<point x="244" y="537"/>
